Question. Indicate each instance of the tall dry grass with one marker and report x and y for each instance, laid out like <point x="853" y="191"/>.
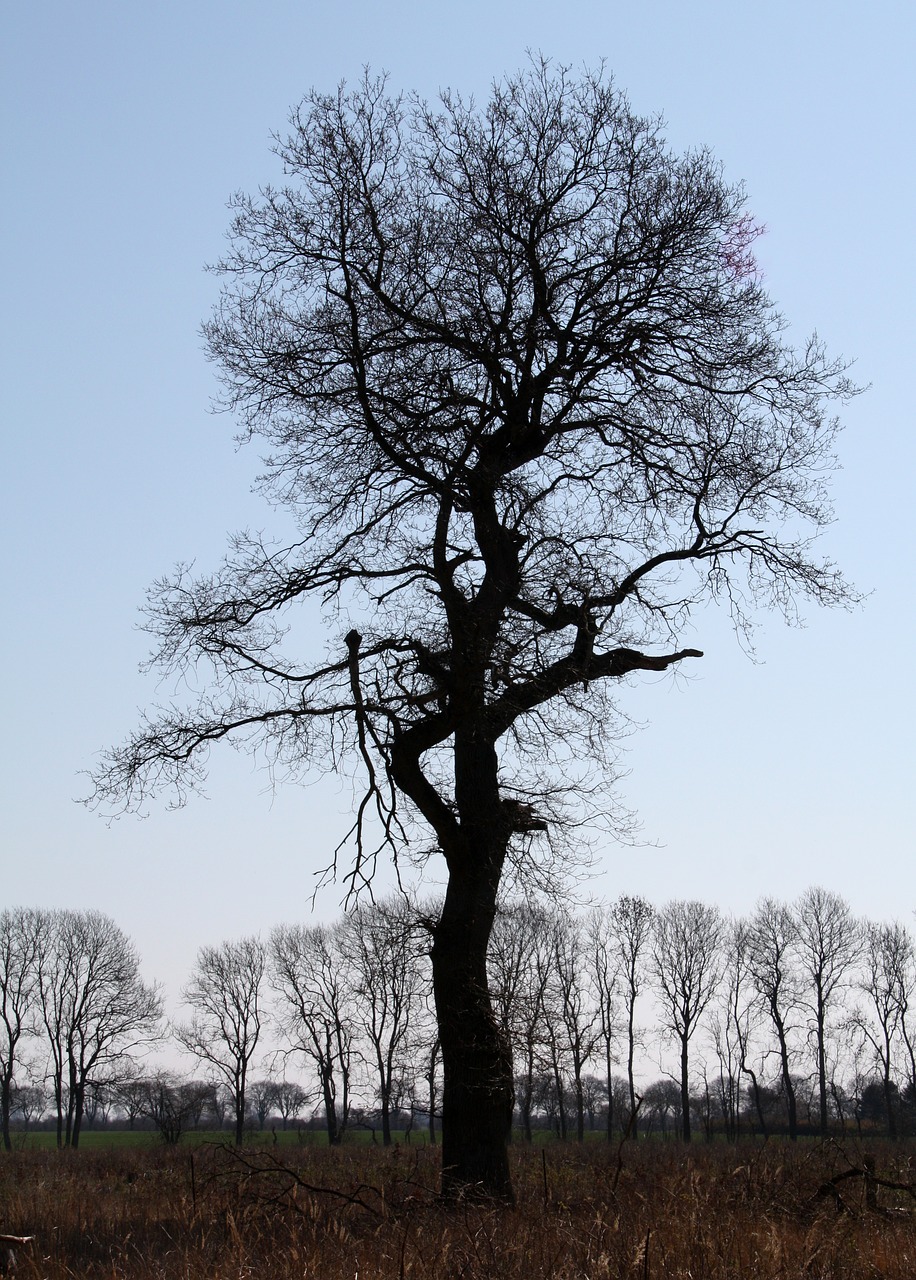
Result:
<point x="359" y="1213"/>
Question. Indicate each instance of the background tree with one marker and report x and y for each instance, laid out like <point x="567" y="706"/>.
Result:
<point x="528" y="403"/>
<point x="772" y="963"/>
<point x="685" y="956"/>
<point x="261" y="1097"/>
<point x="385" y="944"/>
<point x="28" y="1103"/>
<point x="605" y="978"/>
<point x="518" y="970"/>
<point x="630" y="922"/>
<point x="224" y="992"/>
<point x="661" y="1099"/>
<point x="19" y="929"/>
<point x="291" y="1099"/>
<point x="829" y="941"/>
<point x="171" y="1105"/>
<point x="310" y="970"/>
<point x="887" y="980"/>
<point x="572" y="1016"/>
<point x="732" y="1025"/>
<point x="94" y="1007"/>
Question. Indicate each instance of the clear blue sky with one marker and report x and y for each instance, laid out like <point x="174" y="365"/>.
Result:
<point x="125" y="129"/>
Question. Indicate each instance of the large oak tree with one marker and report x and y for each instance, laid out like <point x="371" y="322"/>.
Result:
<point x="526" y="400"/>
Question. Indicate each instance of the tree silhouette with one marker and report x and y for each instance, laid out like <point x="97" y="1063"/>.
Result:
<point x="528" y="404"/>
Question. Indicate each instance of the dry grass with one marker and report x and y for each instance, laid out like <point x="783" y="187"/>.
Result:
<point x="363" y="1214"/>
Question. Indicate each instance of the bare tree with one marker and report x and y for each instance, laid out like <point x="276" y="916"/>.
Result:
<point x="19" y="930"/>
<point x="386" y="944"/>
<point x="630" y="922"/>
<point x="887" y="981"/>
<point x="94" y="1007"/>
<point x="261" y="1096"/>
<point x="660" y="1099"/>
<point x="829" y="941"/>
<point x="733" y="1028"/>
<point x="606" y="978"/>
<point x="173" y="1106"/>
<point x="572" y="1017"/>
<point x="28" y="1102"/>
<point x="686" y="940"/>
<point x="525" y="396"/>
<point x="773" y="961"/>
<point x="518" y="968"/>
<point x="224" y="992"/>
<point x="290" y="1099"/>
<point x="310" y="970"/>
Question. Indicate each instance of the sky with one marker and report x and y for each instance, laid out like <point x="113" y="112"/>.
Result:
<point x="125" y="129"/>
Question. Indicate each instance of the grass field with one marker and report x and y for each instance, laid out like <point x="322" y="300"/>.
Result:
<point x="360" y="1213"/>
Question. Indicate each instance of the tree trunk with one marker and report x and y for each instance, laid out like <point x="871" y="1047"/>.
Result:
<point x="386" y="1120"/>
<point x="822" y="1065"/>
<point x="330" y="1110"/>
<point x="239" y="1122"/>
<point x="758" y="1105"/>
<point x="631" y="1053"/>
<point x="610" y="1092"/>
<point x="477" y="1092"/>
<point x="75" y="1115"/>
<point x="788" y="1086"/>
<point x="6" y="1090"/>
<point x="431" y="1080"/>
<point x="685" y="1093"/>
<point x="580" y="1107"/>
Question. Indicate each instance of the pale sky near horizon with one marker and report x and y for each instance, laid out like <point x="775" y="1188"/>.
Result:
<point x="125" y="130"/>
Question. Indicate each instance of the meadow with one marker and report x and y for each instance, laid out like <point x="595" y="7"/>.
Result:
<point x="648" y="1209"/>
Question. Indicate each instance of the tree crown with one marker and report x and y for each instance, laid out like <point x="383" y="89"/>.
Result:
<point x="527" y="401"/>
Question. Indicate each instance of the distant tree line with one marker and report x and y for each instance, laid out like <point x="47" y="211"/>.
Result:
<point x="797" y="1018"/>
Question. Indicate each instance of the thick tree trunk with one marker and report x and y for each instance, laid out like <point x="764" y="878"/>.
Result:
<point x="330" y="1111"/>
<point x="477" y="1092"/>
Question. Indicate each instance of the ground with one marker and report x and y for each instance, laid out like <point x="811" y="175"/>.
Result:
<point x="652" y="1209"/>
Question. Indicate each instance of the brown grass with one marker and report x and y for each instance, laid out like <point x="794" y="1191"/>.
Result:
<point x="709" y="1212"/>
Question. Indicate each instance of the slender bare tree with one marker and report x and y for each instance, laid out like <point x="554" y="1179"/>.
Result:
<point x="735" y="1030"/>
<point x="224" y="992"/>
<point x="606" y="980"/>
<point x="829" y="943"/>
<point x="571" y="1015"/>
<point x="887" y="980"/>
<point x="388" y="951"/>
<point x="311" y="972"/>
<point x="773" y="965"/>
<point x="518" y="970"/>
<point x="19" y="933"/>
<point x="630" y="923"/>
<point x="686" y="939"/>
<point x="525" y="396"/>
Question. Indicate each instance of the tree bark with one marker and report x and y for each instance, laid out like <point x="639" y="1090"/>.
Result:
<point x="330" y="1111"/>
<point x="477" y="1090"/>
